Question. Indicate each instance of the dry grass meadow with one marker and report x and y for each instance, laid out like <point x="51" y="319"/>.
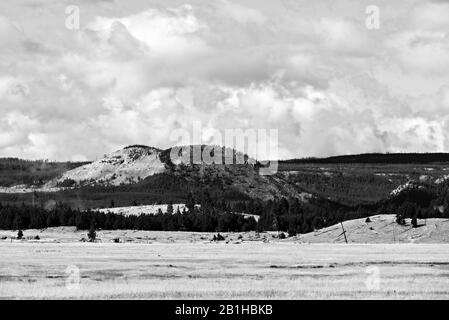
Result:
<point x="207" y="270"/>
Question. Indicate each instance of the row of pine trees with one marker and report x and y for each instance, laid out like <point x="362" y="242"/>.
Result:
<point x="204" y="214"/>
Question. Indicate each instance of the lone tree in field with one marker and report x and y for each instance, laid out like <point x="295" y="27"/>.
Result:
<point x="414" y="222"/>
<point x="92" y="234"/>
<point x="19" y="234"/>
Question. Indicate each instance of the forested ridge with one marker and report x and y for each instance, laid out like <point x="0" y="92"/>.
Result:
<point x="337" y="193"/>
<point x="386" y="158"/>
<point x="15" y="171"/>
<point x="289" y="215"/>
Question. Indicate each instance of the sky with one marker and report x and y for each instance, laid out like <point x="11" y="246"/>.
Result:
<point x="136" y="71"/>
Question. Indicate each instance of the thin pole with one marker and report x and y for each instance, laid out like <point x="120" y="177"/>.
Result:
<point x="344" y="232"/>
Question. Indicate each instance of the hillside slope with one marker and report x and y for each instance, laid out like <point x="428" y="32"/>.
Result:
<point x="128" y="165"/>
<point x="14" y="171"/>
<point x="381" y="229"/>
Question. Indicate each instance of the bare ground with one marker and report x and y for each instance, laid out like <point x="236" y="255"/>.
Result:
<point x="382" y="260"/>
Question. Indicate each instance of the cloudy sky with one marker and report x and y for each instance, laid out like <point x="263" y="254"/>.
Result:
<point x="136" y="70"/>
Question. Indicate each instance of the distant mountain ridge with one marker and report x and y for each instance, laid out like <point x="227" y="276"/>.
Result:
<point x="373" y="158"/>
<point x="144" y="173"/>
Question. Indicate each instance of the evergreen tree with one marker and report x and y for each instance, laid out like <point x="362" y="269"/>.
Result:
<point x="414" y="222"/>
<point x="170" y="208"/>
<point x="190" y="202"/>
<point x="92" y="234"/>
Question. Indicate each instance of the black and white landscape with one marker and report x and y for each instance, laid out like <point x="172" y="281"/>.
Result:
<point x="224" y="149"/>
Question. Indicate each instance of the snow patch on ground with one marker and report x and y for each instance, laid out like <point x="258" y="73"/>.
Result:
<point x="406" y="186"/>
<point x="28" y="189"/>
<point x="442" y="179"/>
<point x="154" y="209"/>
<point x="147" y="209"/>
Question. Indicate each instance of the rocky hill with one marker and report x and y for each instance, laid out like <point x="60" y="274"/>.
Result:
<point x="129" y="165"/>
<point x="232" y="173"/>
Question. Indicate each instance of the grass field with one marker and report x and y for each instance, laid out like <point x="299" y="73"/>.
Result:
<point x="204" y="270"/>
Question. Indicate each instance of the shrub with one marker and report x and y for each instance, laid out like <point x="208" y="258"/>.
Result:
<point x="292" y="232"/>
<point x="368" y="220"/>
<point x="400" y="219"/>
<point x="218" y="237"/>
<point x="67" y="183"/>
<point x="20" y="234"/>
